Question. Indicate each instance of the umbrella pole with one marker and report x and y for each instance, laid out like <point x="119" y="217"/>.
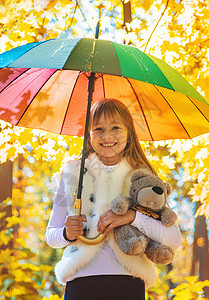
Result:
<point x="91" y="84"/>
<point x="90" y="94"/>
<point x="78" y="201"/>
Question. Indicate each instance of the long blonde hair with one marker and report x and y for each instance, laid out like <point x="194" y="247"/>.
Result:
<point x="133" y="150"/>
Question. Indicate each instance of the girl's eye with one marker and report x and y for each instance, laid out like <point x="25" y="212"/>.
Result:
<point x="98" y="129"/>
<point x="115" y="128"/>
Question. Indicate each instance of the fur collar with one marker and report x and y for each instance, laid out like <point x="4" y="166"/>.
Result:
<point x="100" y="187"/>
<point x="97" y="168"/>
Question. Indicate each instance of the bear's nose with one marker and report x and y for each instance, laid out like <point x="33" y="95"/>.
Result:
<point x="158" y="190"/>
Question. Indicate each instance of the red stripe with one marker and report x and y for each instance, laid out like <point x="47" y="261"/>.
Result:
<point x="8" y="75"/>
<point x="17" y="96"/>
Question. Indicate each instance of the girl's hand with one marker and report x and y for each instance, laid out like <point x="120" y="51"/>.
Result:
<point x="74" y="226"/>
<point x="110" y="220"/>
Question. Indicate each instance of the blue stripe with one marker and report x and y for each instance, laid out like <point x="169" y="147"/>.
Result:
<point x="50" y="54"/>
<point x="10" y="56"/>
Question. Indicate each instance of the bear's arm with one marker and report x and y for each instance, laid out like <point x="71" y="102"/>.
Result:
<point x="120" y="205"/>
<point x="168" y="217"/>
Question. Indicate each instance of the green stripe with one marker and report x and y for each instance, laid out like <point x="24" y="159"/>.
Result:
<point x="100" y="56"/>
<point x="179" y="83"/>
<point x="137" y="65"/>
<point x="92" y="55"/>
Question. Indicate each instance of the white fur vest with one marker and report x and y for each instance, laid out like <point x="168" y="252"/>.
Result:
<point x="99" y="188"/>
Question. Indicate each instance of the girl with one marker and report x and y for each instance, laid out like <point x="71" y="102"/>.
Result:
<point x="102" y="271"/>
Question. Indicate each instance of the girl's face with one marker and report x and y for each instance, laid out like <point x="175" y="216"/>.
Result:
<point x="108" y="139"/>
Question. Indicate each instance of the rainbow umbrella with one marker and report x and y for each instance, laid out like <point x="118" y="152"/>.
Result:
<point x="46" y="85"/>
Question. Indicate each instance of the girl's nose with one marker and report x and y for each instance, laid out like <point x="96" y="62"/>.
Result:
<point x="107" y="134"/>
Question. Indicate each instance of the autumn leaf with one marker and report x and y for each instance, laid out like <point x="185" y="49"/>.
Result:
<point x="11" y="221"/>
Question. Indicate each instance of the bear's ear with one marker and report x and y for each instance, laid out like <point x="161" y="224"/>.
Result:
<point x="140" y="173"/>
<point x="168" y="188"/>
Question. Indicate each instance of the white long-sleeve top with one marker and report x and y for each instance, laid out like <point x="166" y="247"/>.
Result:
<point x="105" y="262"/>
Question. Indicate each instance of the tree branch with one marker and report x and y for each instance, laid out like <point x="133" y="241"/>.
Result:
<point x="74" y="13"/>
<point x="166" y="6"/>
<point x="84" y="17"/>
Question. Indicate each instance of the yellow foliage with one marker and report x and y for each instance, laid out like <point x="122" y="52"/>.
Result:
<point x="53" y="297"/>
<point x="190" y="290"/>
<point x="204" y="209"/>
<point x="11" y="221"/>
<point x="5" y="255"/>
<point x="20" y="275"/>
<point x="11" y="152"/>
<point x="19" y="291"/>
<point x="20" y="241"/>
<point x="25" y="27"/>
<point x="146" y="4"/>
<point x="46" y="268"/>
<point x="2" y="214"/>
<point x="30" y="266"/>
<point x="4" y="237"/>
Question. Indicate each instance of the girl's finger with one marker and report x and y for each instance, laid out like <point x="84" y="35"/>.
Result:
<point x="74" y="220"/>
<point x="103" y="223"/>
<point x="83" y="217"/>
<point x="107" y="213"/>
<point x="77" y="232"/>
<point x="104" y="216"/>
<point x="72" y="234"/>
<point x="73" y="225"/>
<point x="108" y="229"/>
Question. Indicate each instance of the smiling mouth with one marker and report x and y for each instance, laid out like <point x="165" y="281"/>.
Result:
<point x="108" y="145"/>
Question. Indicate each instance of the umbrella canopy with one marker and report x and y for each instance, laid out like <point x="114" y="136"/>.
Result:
<point x="45" y="85"/>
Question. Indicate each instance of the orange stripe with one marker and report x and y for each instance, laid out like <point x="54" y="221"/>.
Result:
<point x="48" y="109"/>
<point x="189" y="114"/>
<point x="75" y="116"/>
<point x="76" y="113"/>
<point x="161" y="119"/>
<point x="202" y="107"/>
<point x="119" y="88"/>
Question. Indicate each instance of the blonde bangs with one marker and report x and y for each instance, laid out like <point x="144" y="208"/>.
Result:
<point x="110" y="108"/>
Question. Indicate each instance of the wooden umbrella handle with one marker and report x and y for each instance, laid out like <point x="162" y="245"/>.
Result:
<point x="89" y="241"/>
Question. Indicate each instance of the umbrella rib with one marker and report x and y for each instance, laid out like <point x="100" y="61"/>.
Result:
<point x="63" y="67"/>
<point x="141" y="109"/>
<point x="35" y="96"/>
<point x="14" y="79"/>
<point x="103" y="87"/>
<point x="68" y="104"/>
<point x="198" y="108"/>
<point x="172" y="110"/>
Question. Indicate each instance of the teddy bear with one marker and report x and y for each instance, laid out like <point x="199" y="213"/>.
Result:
<point x="148" y="194"/>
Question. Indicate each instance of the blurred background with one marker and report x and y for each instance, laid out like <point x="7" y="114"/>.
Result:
<point x="30" y="160"/>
